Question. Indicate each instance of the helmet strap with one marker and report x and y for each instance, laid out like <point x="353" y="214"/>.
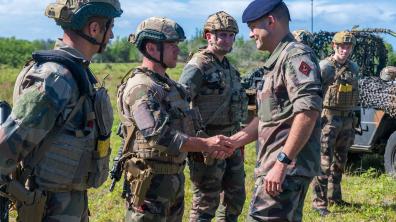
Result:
<point x="160" y="47"/>
<point x="93" y="40"/>
<point x="103" y="44"/>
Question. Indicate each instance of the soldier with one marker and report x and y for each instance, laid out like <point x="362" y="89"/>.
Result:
<point x="217" y="93"/>
<point x="388" y="73"/>
<point x="60" y="126"/>
<point x="159" y="126"/>
<point x="340" y="87"/>
<point x="303" y="36"/>
<point x="287" y="125"/>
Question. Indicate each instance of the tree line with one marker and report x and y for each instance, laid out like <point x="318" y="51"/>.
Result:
<point x="15" y="52"/>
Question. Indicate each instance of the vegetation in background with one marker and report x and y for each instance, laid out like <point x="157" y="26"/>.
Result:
<point x="15" y="52"/>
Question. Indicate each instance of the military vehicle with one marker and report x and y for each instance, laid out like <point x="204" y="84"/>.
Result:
<point x="377" y="130"/>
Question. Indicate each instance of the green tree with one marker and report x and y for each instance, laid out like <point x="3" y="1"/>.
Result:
<point x="391" y="55"/>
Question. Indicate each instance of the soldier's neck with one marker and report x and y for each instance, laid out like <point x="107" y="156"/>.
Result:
<point x="153" y="66"/>
<point x="339" y="60"/>
<point x="220" y="57"/>
<point x="87" y="49"/>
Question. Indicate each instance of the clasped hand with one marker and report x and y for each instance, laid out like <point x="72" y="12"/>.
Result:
<point x="220" y="147"/>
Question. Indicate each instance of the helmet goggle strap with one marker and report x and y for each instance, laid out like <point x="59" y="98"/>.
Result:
<point x="93" y="40"/>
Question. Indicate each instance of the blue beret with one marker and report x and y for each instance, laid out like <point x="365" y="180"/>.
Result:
<point x="258" y="8"/>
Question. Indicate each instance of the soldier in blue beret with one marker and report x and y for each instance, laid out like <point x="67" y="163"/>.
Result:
<point x="287" y="126"/>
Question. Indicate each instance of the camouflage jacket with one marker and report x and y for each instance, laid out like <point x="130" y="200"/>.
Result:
<point x="158" y="108"/>
<point x="214" y="85"/>
<point x="291" y="86"/>
<point x="44" y="96"/>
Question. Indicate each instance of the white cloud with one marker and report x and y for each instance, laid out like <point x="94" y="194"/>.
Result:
<point x="23" y="7"/>
<point x="329" y="15"/>
<point x="187" y="9"/>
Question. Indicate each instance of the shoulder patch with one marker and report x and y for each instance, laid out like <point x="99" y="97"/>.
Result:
<point x="304" y="68"/>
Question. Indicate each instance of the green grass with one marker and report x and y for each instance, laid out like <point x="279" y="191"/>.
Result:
<point x="372" y="192"/>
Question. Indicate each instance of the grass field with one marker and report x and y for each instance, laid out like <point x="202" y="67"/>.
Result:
<point x="372" y="192"/>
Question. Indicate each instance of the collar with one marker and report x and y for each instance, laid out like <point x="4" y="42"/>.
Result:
<point x="224" y="63"/>
<point x="75" y="53"/>
<point x="164" y="79"/>
<point x="337" y="64"/>
<point x="279" y="48"/>
<point x="60" y="45"/>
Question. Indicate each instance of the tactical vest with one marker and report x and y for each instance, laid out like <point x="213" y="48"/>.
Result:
<point x="222" y="100"/>
<point x="175" y="100"/>
<point x="75" y="154"/>
<point x="342" y="92"/>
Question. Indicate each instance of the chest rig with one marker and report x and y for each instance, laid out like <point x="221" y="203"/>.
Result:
<point x="75" y="154"/>
<point x="342" y="92"/>
<point x="222" y="101"/>
<point x="174" y="102"/>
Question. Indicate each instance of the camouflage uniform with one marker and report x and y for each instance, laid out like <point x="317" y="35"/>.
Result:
<point x="159" y="109"/>
<point x="212" y="84"/>
<point x="55" y="132"/>
<point x="157" y="121"/>
<point x="44" y="96"/>
<point x="337" y="127"/>
<point x="292" y="85"/>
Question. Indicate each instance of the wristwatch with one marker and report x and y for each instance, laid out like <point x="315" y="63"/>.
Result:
<point x="282" y="157"/>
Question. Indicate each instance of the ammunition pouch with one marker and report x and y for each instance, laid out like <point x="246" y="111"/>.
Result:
<point x="100" y="168"/>
<point x="139" y="174"/>
<point x="100" y="157"/>
<point x="30" y="204"/>
<point x="239" y="106"/>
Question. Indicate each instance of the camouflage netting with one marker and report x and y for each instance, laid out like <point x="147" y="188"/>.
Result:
<point x="379" y="94"/>
<point x="369" y="53"/>
<point x="371" y="56"/>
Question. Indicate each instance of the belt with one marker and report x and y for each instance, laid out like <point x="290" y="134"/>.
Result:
<point x="333" y="112"/>
<point x="165" y="168"/>
<point x="197" y="157"/>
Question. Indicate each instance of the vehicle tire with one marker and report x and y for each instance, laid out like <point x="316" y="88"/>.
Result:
<point x="390" y="155"/>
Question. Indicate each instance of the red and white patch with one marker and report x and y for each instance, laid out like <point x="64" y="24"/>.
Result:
<point x="305" y="68"/>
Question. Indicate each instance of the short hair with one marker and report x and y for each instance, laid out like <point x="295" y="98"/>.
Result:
<point x="102" y="21"/>
<point x="281" y="12"/>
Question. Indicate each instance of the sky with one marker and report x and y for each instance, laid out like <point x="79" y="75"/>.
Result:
<point x="24" y="19"/>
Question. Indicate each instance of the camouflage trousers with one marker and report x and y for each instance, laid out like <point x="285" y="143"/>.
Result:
<point x="221" y="185"/>
<point x="164" y="201"/>
<point x="66" y="207"/>
<point x="287" y="206"/>
<point x="337" y="136"/>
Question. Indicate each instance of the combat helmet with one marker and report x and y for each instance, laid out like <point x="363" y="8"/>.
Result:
<point x="157" y="30"/>
<point x="388" y="73"/>
<point x="220" y="21"/>
<point x="303" y="36"/>
<point x="73" y="14"/>
<point x="344" y="37"/>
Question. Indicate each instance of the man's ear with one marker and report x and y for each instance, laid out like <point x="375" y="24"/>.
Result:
<point x="94" y="29"/>
<point x="151" y="47"/>
<point x="271" y="20"/>
<point x="208" y="35"/>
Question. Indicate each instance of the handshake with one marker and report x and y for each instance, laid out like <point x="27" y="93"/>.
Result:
<point x="218" y="147"/>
